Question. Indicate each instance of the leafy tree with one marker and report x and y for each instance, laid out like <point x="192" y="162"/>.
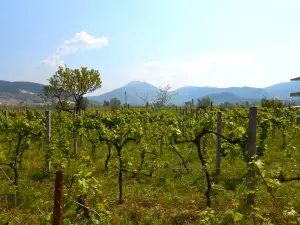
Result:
<point x="106" y="103"/>
<point x="70" y="85"/>
<point x="115" y="103"/>
<point x="205" y="102"/>
<point x="84" y="104"/>
<point x="271" y="103"/>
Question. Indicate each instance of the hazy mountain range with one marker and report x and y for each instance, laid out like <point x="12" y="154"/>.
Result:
<point x="138" y="92"/>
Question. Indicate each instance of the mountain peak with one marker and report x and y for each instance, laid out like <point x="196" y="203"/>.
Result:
<point x="135" y="83"/>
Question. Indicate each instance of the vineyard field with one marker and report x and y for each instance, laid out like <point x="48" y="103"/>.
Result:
<point x="140" y="166"/>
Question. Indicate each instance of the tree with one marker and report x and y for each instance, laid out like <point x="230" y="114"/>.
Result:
<point x="271" y="103"/>
<point x="70" y="85"/>
<point x="84" y="104"/>
<point x="115" y="103"/>
<point x="205" y="102"/>
<point x="163" y="97"/>
<point x="106" y="103"/>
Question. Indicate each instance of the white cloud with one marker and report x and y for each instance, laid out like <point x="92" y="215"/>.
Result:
<point x="53" y="60"/>
<point x="82" y="41"/>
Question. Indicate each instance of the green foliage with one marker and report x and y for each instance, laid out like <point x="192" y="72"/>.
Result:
<point x="70" y="85"/>
<point x="271" y="103"/>
<point x="164" y="181"/>
<point x="205" y="102"/>
<point x="114" y="103"/>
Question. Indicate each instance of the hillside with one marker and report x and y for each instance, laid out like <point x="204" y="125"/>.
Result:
<point x="135" y="90"/>
<point x="16" y="92"/>
<point x="224" y="96"/>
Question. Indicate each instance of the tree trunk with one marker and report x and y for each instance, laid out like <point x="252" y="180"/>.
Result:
<point x="202" y="160"/>
<point x="108" y="157"/>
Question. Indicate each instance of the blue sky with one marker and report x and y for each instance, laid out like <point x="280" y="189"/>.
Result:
<point x="177" y="42"/>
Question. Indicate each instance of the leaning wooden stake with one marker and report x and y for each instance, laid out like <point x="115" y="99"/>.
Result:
<point x="251" y="153"/>
<point x="58" y="198"/>
<point x="218" y="150"/>
<point x="48" y="136"/>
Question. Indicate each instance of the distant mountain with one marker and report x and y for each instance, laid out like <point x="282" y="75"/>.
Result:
<point x="187" y="93"/>
<point x="135" y="91"/>
<point x="16" y="92"/>
<point x="283" y="90"/>
<point x="138" y="92"/>
<point x="225" y="96"/>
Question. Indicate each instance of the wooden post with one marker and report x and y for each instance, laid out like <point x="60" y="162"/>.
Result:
<point x="81" y="136"/>
<point x="6" y="114"/>
<point x="197" y="113"/>
<point x="218" y="150"/>
<point x="291" y="118"/>
<point x="251" y="153"/>
<point x="48" y="137"/>
<point x="75" y="137"/>
<point x="126" y="98"/>
<point x="97" y="114"/>
<point x="58" y="198"/>
<point x="274" y="128"/>
<point x="204" y="144"/>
